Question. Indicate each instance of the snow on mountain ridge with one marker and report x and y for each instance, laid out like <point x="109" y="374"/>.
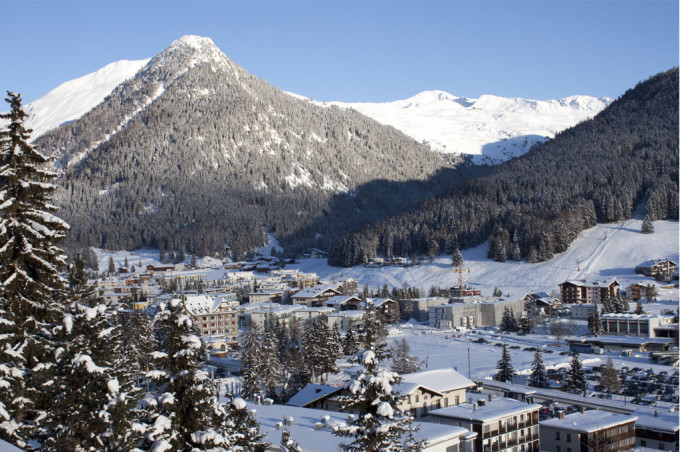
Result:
<point x="74" y="98"/>
<point x="481" y="127"/>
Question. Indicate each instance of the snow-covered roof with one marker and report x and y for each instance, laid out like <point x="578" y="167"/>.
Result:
<point x="586" y="283"/>
<point x="493" y="409"/>
<point x="204" y="304"/>
<point x="625" y="316"/>
<point x="304" y="429"/>
<point x="663" y="421"/>
<point x="589" y="421"/>
<point x="277" y="308"/>
<point x="621" y="340"/>
<point x="339" y="300"/>
<point x="439" y="380"/>
<point x="380" y="301"/>
<point x="313" y="292"/>
<point x="7" y="447"/>
<point x="311" y="393"/>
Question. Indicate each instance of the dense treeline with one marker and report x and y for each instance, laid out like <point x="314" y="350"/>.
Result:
<point x="534" y="206"/>
<point x="192" y="156"/>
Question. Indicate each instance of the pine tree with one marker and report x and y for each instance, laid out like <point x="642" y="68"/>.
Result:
<point x="504" y="367"/>
<point x="245" y="431"/>
<point x="650" y="293"/>
<point x="376" y="424"/>
<point x="321" y="349"/>
<point x="609" y="377"/>
<point x="349" y="343"/>
<point x="95" y="397"/>
<point x="538" y="377"/>
<point x="595" y="327"/>
<point x="31" y="289"/>
<point x="647" y="225"/>
<point x="525" y="325"/>
<point x="287" y="444"/>
<point x="184" y="413"/>
<point x="403" y="362"/>
<point x="508" y="321"/>
<point x="139" y="342"/>
<point x="112" y="266"/>
<point x="575" y="382"/>
<point x="250" y="363"/>
<point x="457" y="258"/>
<point x="638" y="308"/>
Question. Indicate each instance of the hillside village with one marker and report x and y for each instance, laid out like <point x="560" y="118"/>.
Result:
<point x="455" y="411"/>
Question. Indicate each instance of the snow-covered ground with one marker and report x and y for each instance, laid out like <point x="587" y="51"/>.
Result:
<point x="604" y="252"/>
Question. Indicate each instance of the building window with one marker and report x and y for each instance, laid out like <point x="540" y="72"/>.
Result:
<point x="568" y="437"/>
<point x="558" y="449"/>
<point x="557" y="436"/>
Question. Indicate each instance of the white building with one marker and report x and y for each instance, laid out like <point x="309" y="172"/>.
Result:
<point x="582" y="311"/>
<point x="639" y="325"/>
<point x="471" y="312"/>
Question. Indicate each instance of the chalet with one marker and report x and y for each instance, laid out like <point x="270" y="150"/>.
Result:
<point x="581" y="291"/>
<point x="588" y="430"/>
<point x="661" y="269"/>
<point x="432" y="389"/>
<point x="343" y="302"/>
<point x="152" y="268"/>
<point x="386" y="309"/>
<point x="540" y="304"/>
<point x="638" y="291"/>
<point x="314" y="296"/>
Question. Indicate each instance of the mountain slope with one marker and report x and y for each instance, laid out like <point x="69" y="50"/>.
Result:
<point x="535" y="205"/>
<point x="74" y="98"/>
<point x="194" y="152"/>
<point x="492" y="129"/>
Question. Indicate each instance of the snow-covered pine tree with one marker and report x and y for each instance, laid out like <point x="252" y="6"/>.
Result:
<point x="287" y="443"/>
<point x="638" y="308"/>
<point x="31" y="289"/>
<point x="609" y="377"/>
<point x="575" y="382"/>
<point x="376" y="424"/>
<point x="647" y="225"/>
<point x="508" y="321"/>
<point x="184" y="412"/>
<point x="112" y="266"/>
<point x="349" y="342"/>
<point x="504" y="367"/>
<point x="139" y="341"/>
<point x="456" y="258"/>
<point x="403" y="362"/>
<point x="539" y="376"/>
<point x="245" y="431"/>
<point x="95" y="396"/>
<point x="321" y="349"/>
<point x="251" y="351"/>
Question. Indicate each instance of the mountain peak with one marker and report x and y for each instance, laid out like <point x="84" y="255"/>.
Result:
<point x="190" y="50"/>
<point x="200" y="43"/>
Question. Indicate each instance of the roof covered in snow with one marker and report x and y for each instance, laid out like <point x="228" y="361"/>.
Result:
<point x="313" y="292"/>
<point x="205" y="304"/>
<point x="311" y="438"/>
<point x="438" y="380"/>
<point x="493" y="409"/>
<point x="589" y="421"/>
<point x="661" y="421"/>
<point x="311" y="393"/>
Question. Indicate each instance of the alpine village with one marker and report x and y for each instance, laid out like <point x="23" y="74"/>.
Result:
<point x="203" y="262"/>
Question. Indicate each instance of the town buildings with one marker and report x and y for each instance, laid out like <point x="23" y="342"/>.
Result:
<point x="582" y="291"/>
<point x="595" y="431"/>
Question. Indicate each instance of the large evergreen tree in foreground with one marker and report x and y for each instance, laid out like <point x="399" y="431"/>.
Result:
<point x="376" y="424"/>
<point x="576" y="380"/>
<point x="31" y="289"/>
<point x="539" y="376"/>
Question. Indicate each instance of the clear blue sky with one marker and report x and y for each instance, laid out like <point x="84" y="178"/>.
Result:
<point x="357" y="50"/>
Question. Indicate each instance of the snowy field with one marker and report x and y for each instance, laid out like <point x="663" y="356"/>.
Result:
<point x="590" y="257"/>
<point x="604" y="252"/>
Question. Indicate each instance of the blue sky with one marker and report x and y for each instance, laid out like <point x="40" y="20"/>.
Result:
<point x="358" y="50"/>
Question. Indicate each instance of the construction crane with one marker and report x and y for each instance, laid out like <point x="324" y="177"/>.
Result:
<point x="460" y="271"/>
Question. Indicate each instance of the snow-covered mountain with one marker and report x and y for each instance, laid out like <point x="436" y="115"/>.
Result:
<point x="492" y="129"/>
<point x="72" y="99"/>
